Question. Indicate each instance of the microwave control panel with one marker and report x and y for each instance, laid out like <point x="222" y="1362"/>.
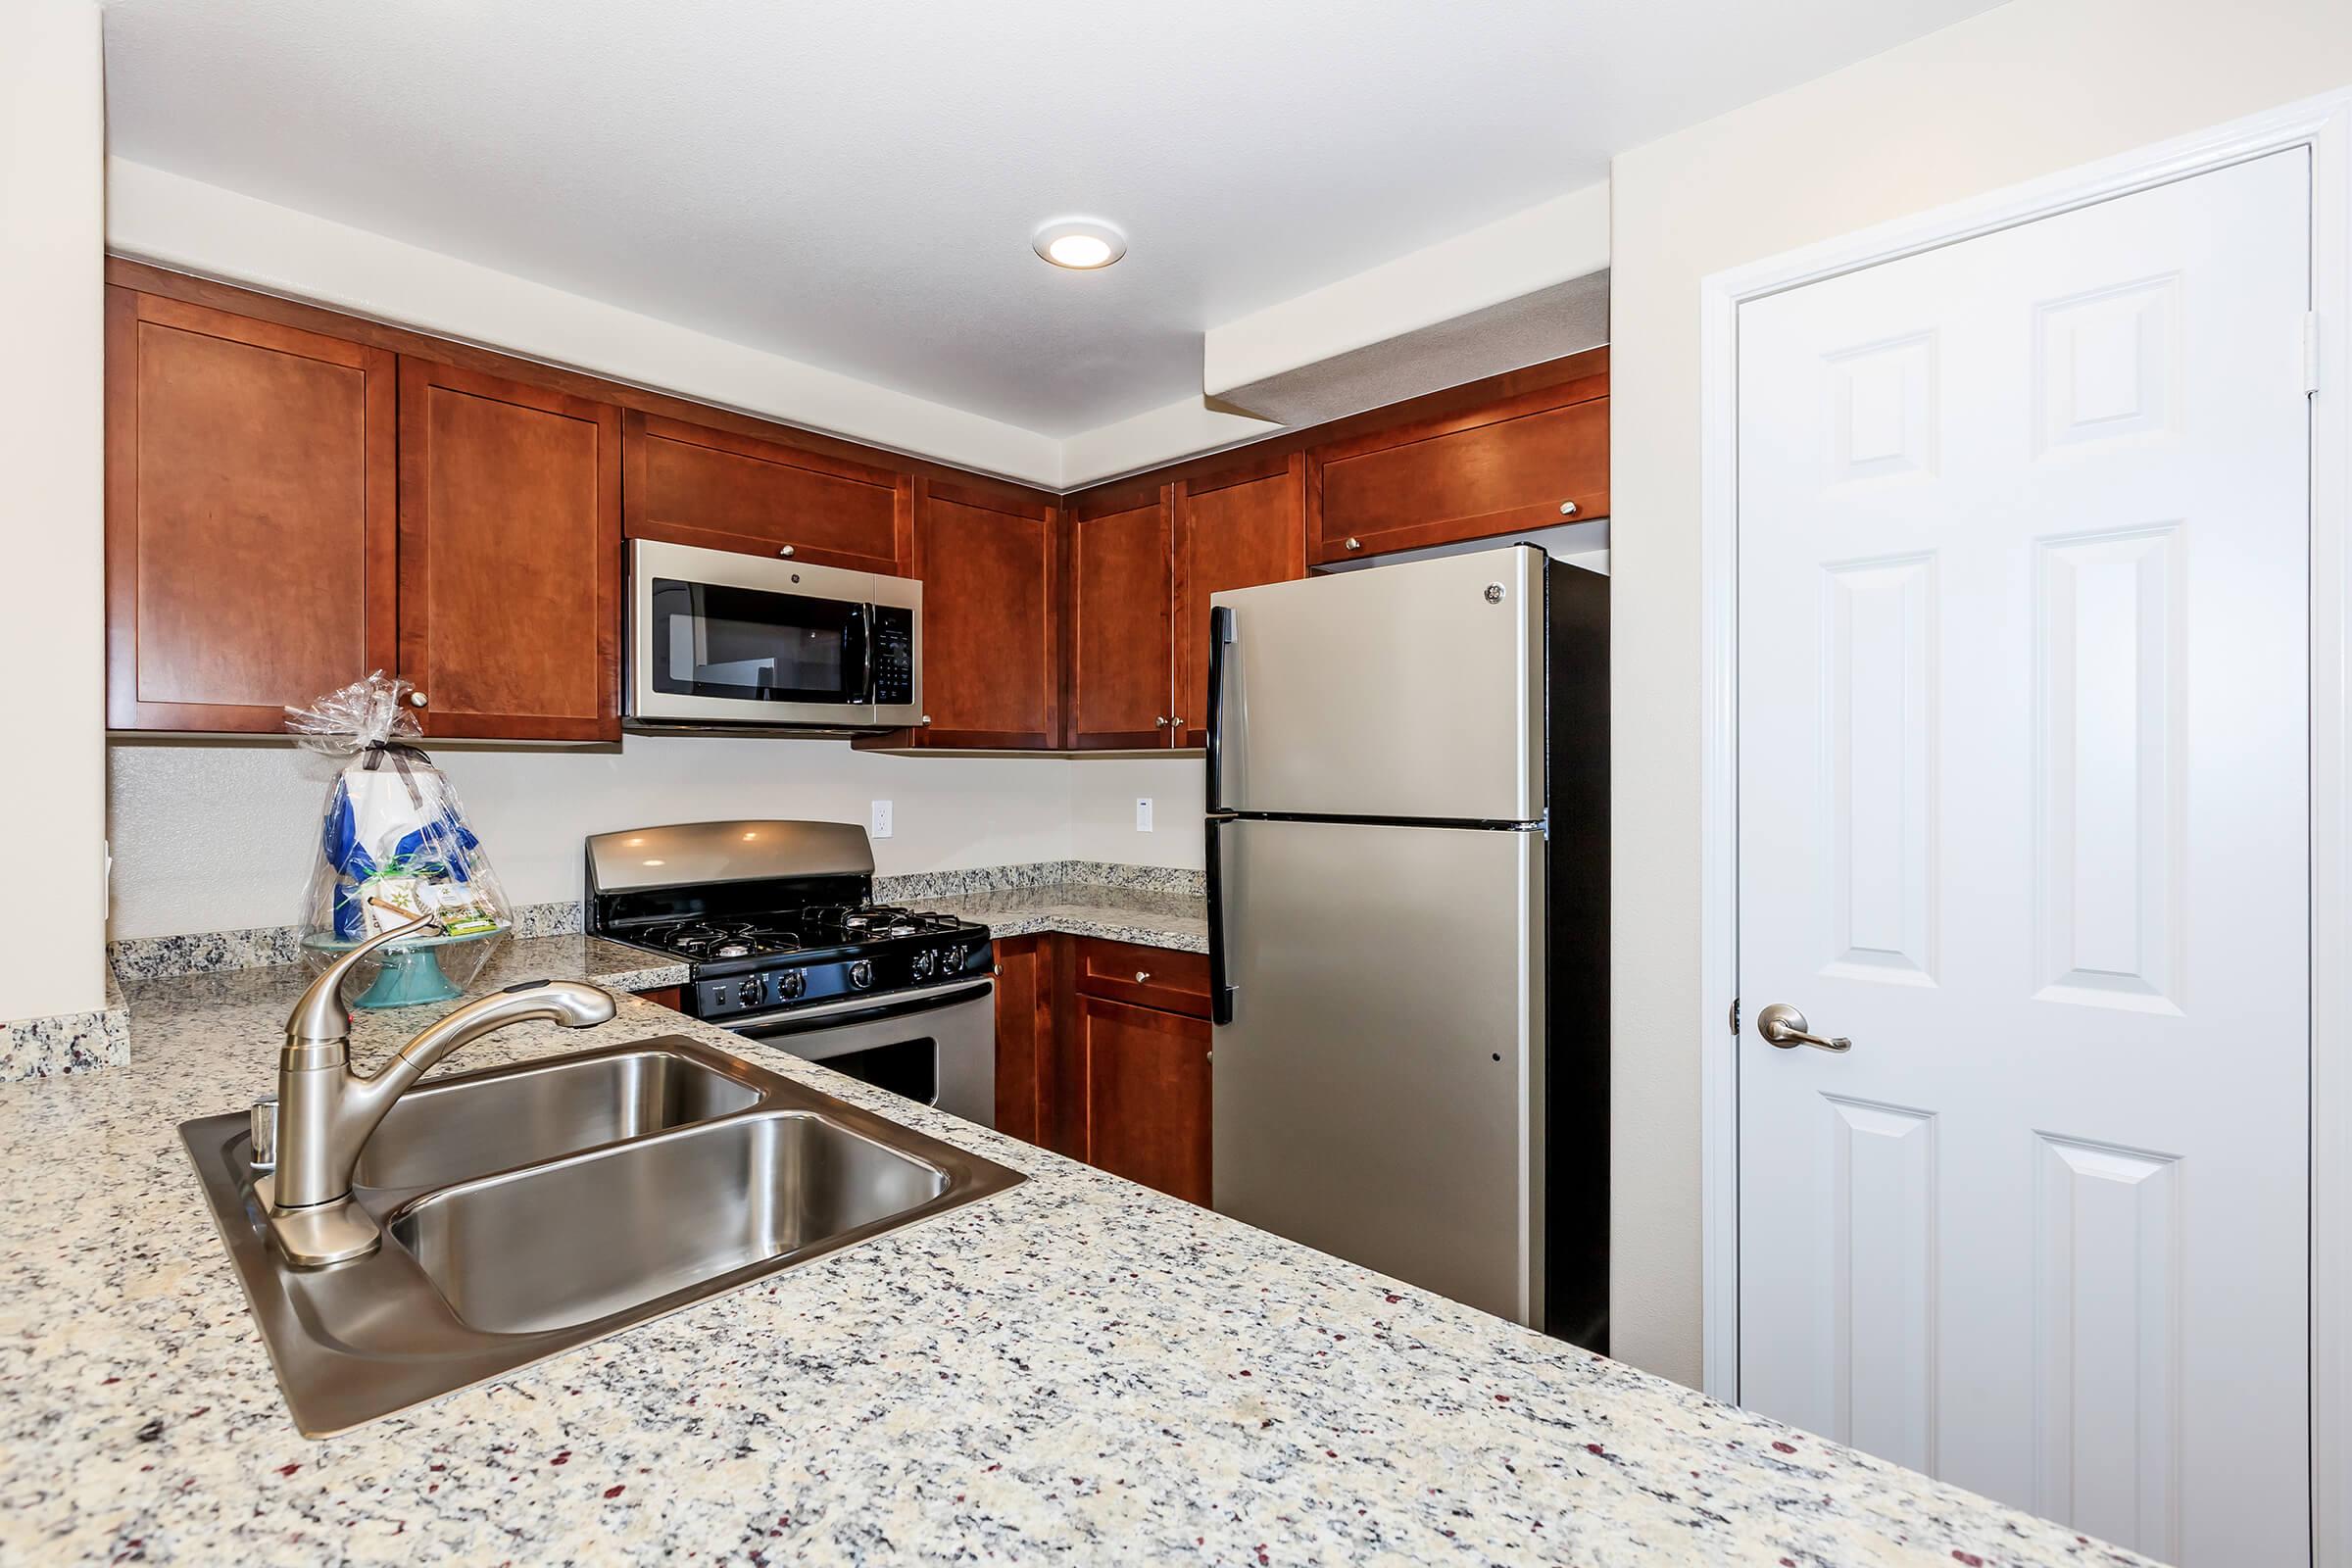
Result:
<point x="894" y="655"/>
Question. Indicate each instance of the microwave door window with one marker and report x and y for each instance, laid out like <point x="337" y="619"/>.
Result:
<point x="717" y="641"/>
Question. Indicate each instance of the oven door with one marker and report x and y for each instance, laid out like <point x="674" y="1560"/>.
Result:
<point x="937" y="1045"/>
<point x="723" y="638"/>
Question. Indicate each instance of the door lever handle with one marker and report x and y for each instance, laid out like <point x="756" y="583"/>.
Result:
<point x="1784" y="1026"/>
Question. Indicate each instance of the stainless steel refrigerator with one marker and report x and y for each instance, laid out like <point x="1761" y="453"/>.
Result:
<point x="1408" y="869"/>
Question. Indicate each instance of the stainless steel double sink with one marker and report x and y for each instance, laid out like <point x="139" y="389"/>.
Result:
<point x="534" y="1207"/>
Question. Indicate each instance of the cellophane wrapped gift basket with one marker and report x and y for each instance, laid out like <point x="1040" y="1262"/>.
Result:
<point x="394" y="844"/>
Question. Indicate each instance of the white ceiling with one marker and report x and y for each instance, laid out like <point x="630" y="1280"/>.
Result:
<point x="853" y="185"/>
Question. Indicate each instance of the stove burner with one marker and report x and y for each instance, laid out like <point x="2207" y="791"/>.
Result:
<point x="791" y="930"/>
<point x="722" y="939"/>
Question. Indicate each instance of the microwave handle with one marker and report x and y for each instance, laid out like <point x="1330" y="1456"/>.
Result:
<point x="865" y="677"/>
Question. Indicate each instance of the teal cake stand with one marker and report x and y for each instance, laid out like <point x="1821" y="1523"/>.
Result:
<point x="410" y="972"/>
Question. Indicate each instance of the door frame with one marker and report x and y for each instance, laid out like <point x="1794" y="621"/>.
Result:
<point x="2324" y="125"/>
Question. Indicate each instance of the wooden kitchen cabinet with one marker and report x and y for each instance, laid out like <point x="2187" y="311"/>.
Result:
<point x="1502" y="467"/>
<point x="1236" y="529"/>
<point x="1103" y="1055"/>
<point x="1144" y="1095"/>
<point x="1025" y="1037"/>
<point x="250" y="526"/>
<point x="1159" y="978"/>
<point x="689" y="484"/>
<point x="1122" y="684"/>
<point x="990" y="561"/>
<point x="510" y="556"/>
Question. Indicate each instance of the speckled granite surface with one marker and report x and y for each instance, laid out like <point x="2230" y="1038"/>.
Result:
<point x="69" y="1042"/>
<point x="204" y="951"/>
<point x="1154" y="918"/>
<point x="1077" y="1371"/>
<point x="1037" y="874"/>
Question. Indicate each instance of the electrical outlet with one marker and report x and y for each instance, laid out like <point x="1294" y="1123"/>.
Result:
<point x="1143" y="814"/>
<point x="881" y="819"/>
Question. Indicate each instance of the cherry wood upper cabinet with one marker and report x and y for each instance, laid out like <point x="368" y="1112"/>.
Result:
<point x="1236" y="529"/>
<point x="249" y="516"/>
<point x="1146" y="1096"/>
<point x="990" y="561"/>
<point x="1122" y="685"/>
<point x="510" y="556"/>
<point x="1532" y="461"/>
<point x="689" y="484"/>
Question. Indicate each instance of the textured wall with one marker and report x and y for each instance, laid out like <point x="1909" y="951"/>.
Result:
<point x="217" y="836"/>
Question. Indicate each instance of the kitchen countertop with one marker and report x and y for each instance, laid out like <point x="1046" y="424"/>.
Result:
<point x="1077" y="1370"/>
<point x="1153" y="918"/>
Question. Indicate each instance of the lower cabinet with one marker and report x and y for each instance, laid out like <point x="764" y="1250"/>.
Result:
<point x="1025" y="1038"/>
<point x="1144" y="1095"/>
<point x="1103" y="1055"/>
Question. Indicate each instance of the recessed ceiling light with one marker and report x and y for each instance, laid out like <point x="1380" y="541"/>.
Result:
<point x="1081" y="244"/>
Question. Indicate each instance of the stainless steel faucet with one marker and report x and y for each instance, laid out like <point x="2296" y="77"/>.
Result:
<point x="326" y="1110"/>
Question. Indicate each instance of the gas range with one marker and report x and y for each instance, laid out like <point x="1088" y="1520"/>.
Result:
<point x="774" y="917"/>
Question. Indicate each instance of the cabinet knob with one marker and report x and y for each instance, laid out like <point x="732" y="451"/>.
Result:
<point x="415" y="699"/>
<point x="1567" y="509"/>
<point x="1161" y="722"/>
<point x="786" y="552"/>
<point x="1355" y="543"/>
<point x="926" y="719"/>
<point x="1141" y="975"/>
<point x="1177" y="721"/>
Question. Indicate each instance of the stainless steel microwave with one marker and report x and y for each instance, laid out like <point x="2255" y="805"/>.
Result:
<point x="720" y="638"/>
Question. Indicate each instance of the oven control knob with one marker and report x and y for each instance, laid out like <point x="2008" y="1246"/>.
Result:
<point x="790" y="984"/>
<point x="950" y="958"/>
<point x="921" y="963"/>
<point x="861" y="972"/>
<point x="747" y="992"/>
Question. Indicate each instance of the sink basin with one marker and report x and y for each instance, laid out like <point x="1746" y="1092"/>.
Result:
<point x="448" y="1129"/>
<point x="582" y="1239"/>
<point x="532" y="1209"/>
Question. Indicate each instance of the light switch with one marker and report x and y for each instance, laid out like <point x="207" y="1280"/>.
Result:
<point x="1143" y="814"/>
<point x="881" y="819"/>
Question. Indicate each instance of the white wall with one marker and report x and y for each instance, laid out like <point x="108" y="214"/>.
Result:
<point x="216" y="836"/>
<point x="51" y="215"/>
<point x="1103" y="791"/>
<point x="2030" y="89"/>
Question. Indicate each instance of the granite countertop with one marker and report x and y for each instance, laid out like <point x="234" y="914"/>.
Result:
<point x="1078" y="1370"/>
<point x="1154" y="918"/>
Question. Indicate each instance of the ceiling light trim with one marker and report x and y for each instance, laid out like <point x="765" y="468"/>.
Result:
<point x="1078" y="244"/>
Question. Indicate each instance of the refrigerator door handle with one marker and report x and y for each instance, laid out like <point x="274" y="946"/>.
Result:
<point x="1220" y="633"/>
<point x="1220" y="993"/>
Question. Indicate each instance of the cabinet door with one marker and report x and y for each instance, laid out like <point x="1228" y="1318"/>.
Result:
<point x="510" y="557"/>
<point x="692" y="485"/>
<point x="991" y="568"/>
<point x="250" y="532"/>
<point x="1232" y="531"/>
<point x="1535" y="460"/>
<point x="1146" y="1095"/>
<point x="1025" y="1037"/>
<point x="1121" y="654"/>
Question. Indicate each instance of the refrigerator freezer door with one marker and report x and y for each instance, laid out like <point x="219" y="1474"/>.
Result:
<point x="1412" y="690"/>
<point x="1378" y="1093"/>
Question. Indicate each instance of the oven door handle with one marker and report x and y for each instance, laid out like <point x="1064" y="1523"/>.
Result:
<point x="856" y="1009"/>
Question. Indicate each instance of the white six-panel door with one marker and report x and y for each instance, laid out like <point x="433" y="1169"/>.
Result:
<point x="2023" y="734"/>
